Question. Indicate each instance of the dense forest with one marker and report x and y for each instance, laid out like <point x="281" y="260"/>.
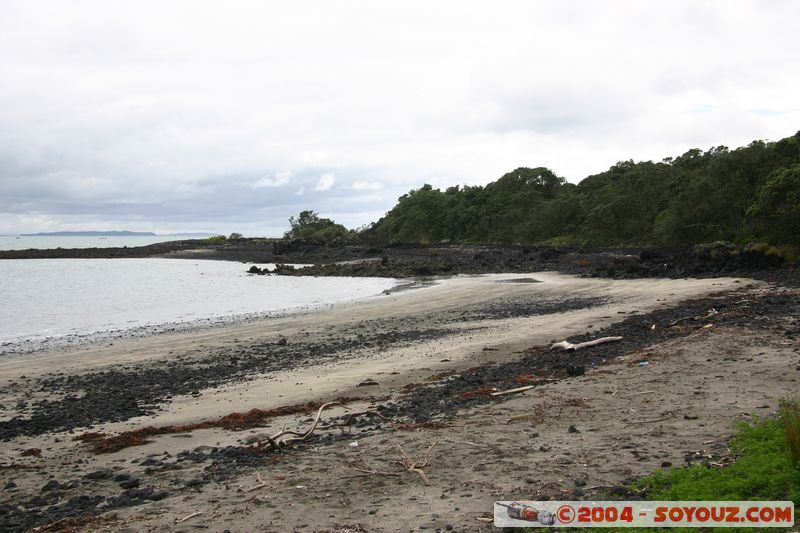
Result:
<point x="747" y="194"/>
<point x="750" y="194"/>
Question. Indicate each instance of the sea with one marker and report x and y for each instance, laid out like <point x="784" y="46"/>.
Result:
<point x="47" y="303"/>
<point x="45" y="242"/>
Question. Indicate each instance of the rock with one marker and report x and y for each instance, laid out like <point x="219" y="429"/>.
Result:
<point x="32" y="452"/>
<point x="254" y="270"/>
<point x="575" y="370"/>
<point x="281" y="341"/>
<point x="53" y="485"/>
<point x="368" y="383"/>
<point x="38" y="501"/>
<point x="573" y="429"/>
<point x="666" y="464"/>
<point x="129" y="483"/>
<point x="99" y="474"/>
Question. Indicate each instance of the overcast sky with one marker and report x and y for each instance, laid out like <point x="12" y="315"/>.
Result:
<point x="232" y="116"/>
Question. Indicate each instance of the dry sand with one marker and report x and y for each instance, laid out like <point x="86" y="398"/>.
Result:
<point x="631" y="419"/>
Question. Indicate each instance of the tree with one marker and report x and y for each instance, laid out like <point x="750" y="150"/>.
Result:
<point x="777" y="209"/>
<point x="701" y="196"/>
<point x="308" y="225"/>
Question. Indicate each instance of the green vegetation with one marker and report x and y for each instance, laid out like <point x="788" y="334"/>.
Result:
<point x="790" y="414"/>
<point x="747" y="194"/>
<point x="310" y="227"/>
<point x="762" y="471"/>
<point x="215" y="239"/>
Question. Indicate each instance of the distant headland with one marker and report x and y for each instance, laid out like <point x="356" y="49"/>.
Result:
<point x="91" y="234"/>
<point x="113" y="234"/>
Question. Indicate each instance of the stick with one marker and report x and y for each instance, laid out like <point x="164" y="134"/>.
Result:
<point x="511" y="391"/>
<point x="569" y="347"/>
<point x="187" y="517"/>
<point x="671" y="415"/>
<point x="428" y="453"/>
<point x="412" y="466"/>
<point x="710" y="313"/>
<point x="371" y="472"/>
<point x="277" y="441"/>
<point x="261" y="483"/>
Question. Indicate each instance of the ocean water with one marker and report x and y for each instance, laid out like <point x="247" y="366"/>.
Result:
<point x="48" y="242"/>
<point x="45" y="302"/>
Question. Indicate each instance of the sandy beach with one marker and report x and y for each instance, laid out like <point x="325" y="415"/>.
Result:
<point x="413" y="370"/>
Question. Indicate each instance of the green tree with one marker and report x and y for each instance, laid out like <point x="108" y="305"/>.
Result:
<point x="776" y="211"/>
<point x="309" y="225"/>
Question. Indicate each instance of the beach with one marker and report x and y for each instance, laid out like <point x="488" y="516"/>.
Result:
<point x="417" y="367"/>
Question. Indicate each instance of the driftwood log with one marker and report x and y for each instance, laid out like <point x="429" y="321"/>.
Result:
<point x="569" y="347"/>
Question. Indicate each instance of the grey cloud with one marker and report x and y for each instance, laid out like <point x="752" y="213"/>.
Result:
<point x="176" y="117"/>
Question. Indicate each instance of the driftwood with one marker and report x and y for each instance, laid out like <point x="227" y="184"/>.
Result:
<point x="187" y="517"/>
<point x="285" y="437"/>
<point x="710" y="313"/>
<point x="405" y="461"/>
<point x="652" y="420"/>
<point x="364" y="469"/>
<point x="261" y="483"/>
<point x="413" y="466"/>
<point x="511" y="391"/>
<point x="569" y="347"/>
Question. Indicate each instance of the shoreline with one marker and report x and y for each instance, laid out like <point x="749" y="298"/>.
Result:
<point x="47" y="346"/>
<point x="33" y="343"/>
<point x="412" y="356"/>
<point x="370" y="259"/>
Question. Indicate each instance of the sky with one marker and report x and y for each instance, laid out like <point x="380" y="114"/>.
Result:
<point x="232" y="116"/>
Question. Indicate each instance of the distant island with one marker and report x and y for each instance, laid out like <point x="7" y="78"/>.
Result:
<point x="113" y="234"/>
<point x="91" y="234"/>
<point x="191" y="234"/>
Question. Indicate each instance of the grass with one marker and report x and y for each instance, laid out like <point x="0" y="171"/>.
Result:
<point x="216" y="239"/>
<point x="763" y="470"/>
<point x="766" y="468"/>
<point x="790" y="414"/>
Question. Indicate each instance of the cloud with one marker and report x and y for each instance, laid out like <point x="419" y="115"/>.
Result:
<point x="187" y="115"/>
<point x="326" y="182"/>
<point x="279" y="179"/>
<point x="367" y="186"/>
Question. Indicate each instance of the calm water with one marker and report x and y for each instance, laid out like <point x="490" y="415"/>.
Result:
<point x="58" y="298"/>
<point x="44" y="243"/>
